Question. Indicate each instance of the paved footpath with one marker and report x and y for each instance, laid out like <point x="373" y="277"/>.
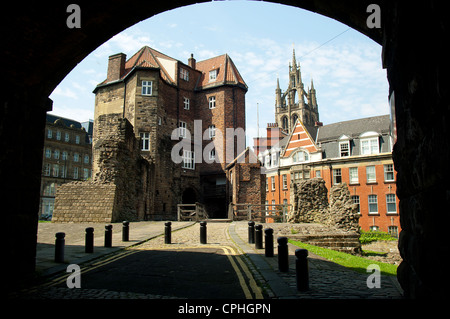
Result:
<point x="259" y="276"/>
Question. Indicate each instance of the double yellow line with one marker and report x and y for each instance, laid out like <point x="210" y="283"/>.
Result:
<point x="249" y="286"/>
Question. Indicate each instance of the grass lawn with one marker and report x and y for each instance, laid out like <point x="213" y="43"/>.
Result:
<point x="355" y="263"/>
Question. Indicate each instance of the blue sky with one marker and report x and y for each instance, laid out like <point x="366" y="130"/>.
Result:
<point x="259" y="37"/>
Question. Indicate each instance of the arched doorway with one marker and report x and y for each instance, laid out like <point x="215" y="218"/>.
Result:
<point x="189" y="196"/>
<point x="40" y="50"/>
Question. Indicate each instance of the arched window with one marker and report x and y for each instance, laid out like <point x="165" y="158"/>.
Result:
<point x="294" y="119"/>
<point x="300" y="156"/>
<point x="284" y="123"/>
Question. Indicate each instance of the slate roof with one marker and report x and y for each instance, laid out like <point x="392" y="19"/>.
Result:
<point x="50" y="118"/>
<point x="353" y="128"/>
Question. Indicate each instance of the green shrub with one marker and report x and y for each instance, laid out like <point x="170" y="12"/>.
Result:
<point x="370" y="236"/>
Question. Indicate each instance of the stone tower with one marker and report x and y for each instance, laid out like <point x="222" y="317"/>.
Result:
<point x="295" y="103"/>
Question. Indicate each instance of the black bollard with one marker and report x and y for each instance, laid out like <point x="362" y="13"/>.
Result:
<point x="89" y="242"/>
<point x="59" y="247"/>
<point x="202" y="232"/>
<point x="258" y="237"/>
<point x="283" y="254"/>
<point x="268" y="240"/>
<point x="125" y="230"/>
<point x="108" y="236"/>
<point x="168" y="233"/>
<point x="251" y="232"/>
<point x="301" y="268"/>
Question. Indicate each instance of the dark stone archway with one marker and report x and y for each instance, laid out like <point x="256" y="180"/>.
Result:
<point x="38" y="51"/>
<point x="189" y="196"/>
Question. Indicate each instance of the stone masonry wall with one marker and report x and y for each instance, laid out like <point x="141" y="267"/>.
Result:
<point x="311" y="205"/>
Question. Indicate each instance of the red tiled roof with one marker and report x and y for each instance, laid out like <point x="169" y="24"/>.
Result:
<point x="227" y="73"/>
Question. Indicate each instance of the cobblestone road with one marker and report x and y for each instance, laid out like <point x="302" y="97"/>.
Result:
<point x="327" y="280"/>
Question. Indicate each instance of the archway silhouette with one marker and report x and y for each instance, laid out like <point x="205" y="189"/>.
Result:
<point x="39" y="51"/>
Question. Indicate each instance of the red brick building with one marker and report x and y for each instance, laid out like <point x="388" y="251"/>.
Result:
<point x="169" y="102"/>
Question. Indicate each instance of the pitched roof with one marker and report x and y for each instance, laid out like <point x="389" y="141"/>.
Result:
<point x="227" y="73"/>
<point x="354" y="128"/>
<point x="300" y="137"/>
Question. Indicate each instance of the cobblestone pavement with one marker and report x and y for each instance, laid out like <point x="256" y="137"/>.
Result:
<point x="327" y="280"/>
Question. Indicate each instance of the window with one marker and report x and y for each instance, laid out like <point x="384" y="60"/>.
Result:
<point x="56" y="154"/>
<point x="353" y="172"/>
<point x="374" y="228"/>
<point x="212" y="102"/>
<point x="63" y="171"/>
<point x="66" y="137"/>
<point x="55" y="171"/>
<point x="186" y="103"/>
<point x="389" y="173"/>
<point x="58" y="135"/>
<point x="212" y="154"/>
<point x="275" y="159"/>
<point x="212" y="131"/>
<point x="49" y="133"/>
<point x="47" y="170"/>
<point x="285" y="183"/>
<point x="267" y="184"/>
<point x="371" y="174"/>
<point x="391" y="205"/>
<point x="49" y="190"/>
<point x="145" y="141"/>
<point x="184" y="74"/>
<point x="77" y="139"/>
<point x="267" y="161"/>
<point x="182" y="129"/>
<point x="65" y="156"/>
<point x="85" y="173"/>
<point x="76" y="157"/>
<point x="212" y="75"/>
<point x="48" y="153"/>
<point x="147" y="87"/>
<point x="273" y="182"/>
<point x="369" y="146"/>
<point x="188" y="160"/>
<point x="344" y="149"/>
<point x="355" y="200"/>
<point x="373" y="204"/>
<point x="393" y="231"/>
<point x="337" y="177"/>
<point x="301" y="156"/>
<point x="75" y="173"/>
<point x="318" y="173"/>
<point x="86" y="159"/>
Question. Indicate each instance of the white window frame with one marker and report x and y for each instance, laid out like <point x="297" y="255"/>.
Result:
<point x="188" y="160"/>
<point x="147" y="88"/>
<point x="371" y="177"/>
<point x="372" y="200"/>
<point x="184" y="74"/>
<point x="353" y="175"/>
<point x="213" y="75"/>
<point x="272" y="180"/>
<point x="285" y="183"/>
<point x="182" y="129"/>
<point x="296" y="158"/>
<point x="145" y="141"/>
<point x="389" y="169"/>
<point x="336" y="176"/>
<point x="391" y="201"/>
<point x="275" y="159"/>
<point x="212" y="131"/>
<point x="212" y="102"/>
<point x="212" y="154"/>
<point x="342" y="150"/>
<point x="355" y="200"/>
<point x="370" y="145"/>
<point x="186" y="103"/>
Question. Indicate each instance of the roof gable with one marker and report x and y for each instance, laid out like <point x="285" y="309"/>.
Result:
<point x="299" y="138"/>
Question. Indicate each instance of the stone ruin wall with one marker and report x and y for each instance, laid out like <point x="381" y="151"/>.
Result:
<point x="338" y="213"/>
<point x="116" y="191"/>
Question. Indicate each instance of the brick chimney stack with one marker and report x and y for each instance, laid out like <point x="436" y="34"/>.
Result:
<point x="116" y="66"/>
<point x="191" y="61"/>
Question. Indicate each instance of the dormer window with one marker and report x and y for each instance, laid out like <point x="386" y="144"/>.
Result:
<point x="370" y="143"/>
<point x="213" y="75"/>
<point x="300" y="156"/>
<point x="344" y="146"/>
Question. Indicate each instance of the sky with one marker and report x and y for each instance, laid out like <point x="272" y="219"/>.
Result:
<point x="259" y="37"/>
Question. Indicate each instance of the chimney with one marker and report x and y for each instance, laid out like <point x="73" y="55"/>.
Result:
<point x="116" y="66"/>
<point x="191" y="61"/>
